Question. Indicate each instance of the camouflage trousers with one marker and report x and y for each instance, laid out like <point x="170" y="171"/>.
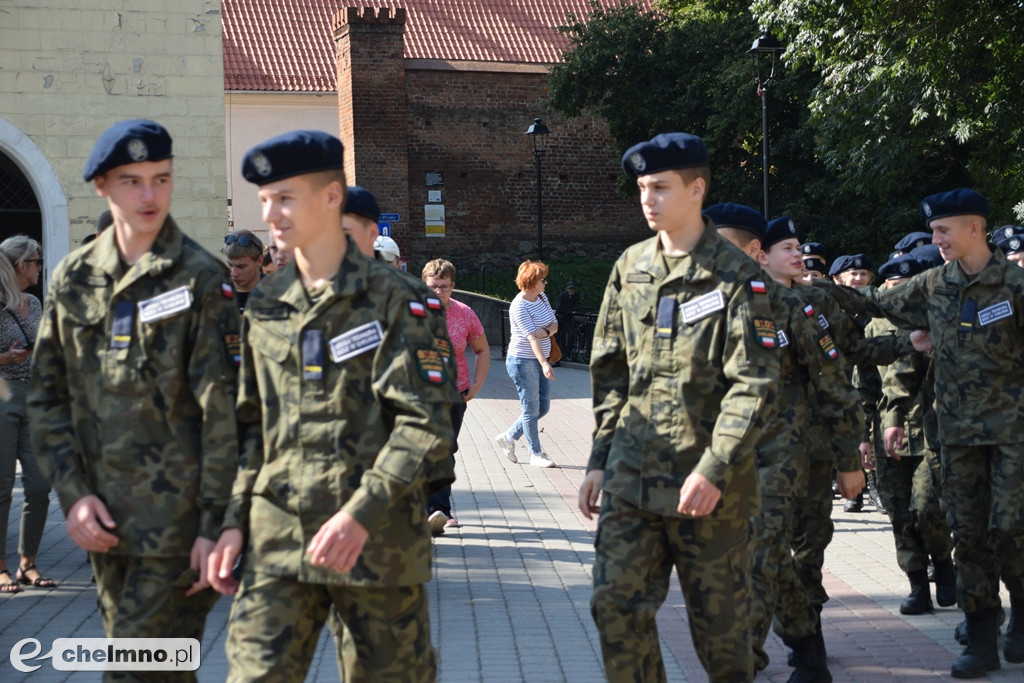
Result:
<point x="910" y="488"/>
<point x="983" y="497"/>
<point x="776" y="587"/>
<point x="635" y="554"/>
<point x="144" y="597"/>
<point x="813" y="529"/>
<point x="382" y="634"/>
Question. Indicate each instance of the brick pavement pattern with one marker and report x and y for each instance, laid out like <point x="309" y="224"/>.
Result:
<point x="510" y="597"/>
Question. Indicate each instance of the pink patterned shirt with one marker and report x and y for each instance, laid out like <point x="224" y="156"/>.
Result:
<point x="463" y="327"/>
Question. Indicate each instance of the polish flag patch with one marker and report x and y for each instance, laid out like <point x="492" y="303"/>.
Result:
<point x="808" y="310"/>
<point x="433" y="304"/>
<point x="435" y="376"/>
<point x="758" y="287"/>
<point x="227" y="290"/>
<point x="417" y="309"/>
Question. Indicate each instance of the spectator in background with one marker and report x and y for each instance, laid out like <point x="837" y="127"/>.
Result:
<point x="532" y="323"/>
<point x="282" y="257"/>
<point x="21" y="262"/>
<point x="567" y="305"/>
<point x="104" y="221"/>
<point x="244" y="254"/>
<point x="387" y="251"/>
<point x="359" y="218"/>
<point x="268" y="267"/>
<point x="464" y="329"/>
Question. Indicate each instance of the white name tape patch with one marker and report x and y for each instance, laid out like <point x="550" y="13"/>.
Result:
<point x="993" y="313"/>
<point x="165" y="305"/>
<point x="783" y="339"/>
<point x="702" y="306"/>
<point x="356" y="341"/>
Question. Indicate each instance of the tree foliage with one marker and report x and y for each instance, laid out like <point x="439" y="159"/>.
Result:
<point x="912" y="86"/>
<point x="857" y="137"/>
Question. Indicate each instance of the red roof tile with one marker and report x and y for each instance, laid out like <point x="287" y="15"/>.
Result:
<point x="287" y="45"/>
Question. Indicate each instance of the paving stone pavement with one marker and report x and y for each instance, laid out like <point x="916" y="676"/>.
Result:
<point x="509" y="599"/>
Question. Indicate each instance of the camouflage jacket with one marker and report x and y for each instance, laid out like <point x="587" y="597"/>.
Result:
<point x="977" y="329"/>
<point x="856" y="350"/>
<point x="133" y="389"/>
<point x="683" y="367"/>
<point x="344" y="403"/>
<point x="811" y="366"/>
<point x="903" y="400"/>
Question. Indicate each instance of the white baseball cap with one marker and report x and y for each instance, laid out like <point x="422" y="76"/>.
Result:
<point x="388" y="248"/>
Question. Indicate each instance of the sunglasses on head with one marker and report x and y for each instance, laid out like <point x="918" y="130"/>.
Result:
<point x="243" y="240"/>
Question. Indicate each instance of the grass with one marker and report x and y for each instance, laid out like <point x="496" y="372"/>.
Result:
<point x="590" y="278"/>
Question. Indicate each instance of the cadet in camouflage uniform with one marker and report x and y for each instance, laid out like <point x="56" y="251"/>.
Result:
<point x="344" y="398"/>
<point x="973" y="308"/>
<point x="908" y="473"/>
<point x="133" y="392"/>
<point x="806" y="365"/>
<point x="683" y="367"/>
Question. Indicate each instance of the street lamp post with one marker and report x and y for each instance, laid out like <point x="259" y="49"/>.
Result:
<point x="768" y="46"/>
<point x="538" y="133"/>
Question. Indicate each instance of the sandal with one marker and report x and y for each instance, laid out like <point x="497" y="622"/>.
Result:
<point x="40" y="582"/>
<point x="9" y="586"/>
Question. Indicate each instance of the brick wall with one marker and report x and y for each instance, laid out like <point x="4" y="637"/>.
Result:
<point x="467" y="123"/>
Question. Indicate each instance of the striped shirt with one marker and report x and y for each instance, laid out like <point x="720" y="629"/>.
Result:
<point x="524" y="318"/>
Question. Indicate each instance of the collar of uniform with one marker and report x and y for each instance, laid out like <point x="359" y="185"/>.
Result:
<point x="350" y="279"/>
<point x="991" y="274"/>
<point x="693" y="269"/>
<point x="166" y="250"/>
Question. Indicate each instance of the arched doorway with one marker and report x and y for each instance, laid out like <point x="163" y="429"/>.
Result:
<point x="32" y="199"/>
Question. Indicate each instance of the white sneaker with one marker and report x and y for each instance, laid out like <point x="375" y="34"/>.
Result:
<point x="508" y="447"/>
<point x="541" y="460"/>
<point x="437" y="520"/>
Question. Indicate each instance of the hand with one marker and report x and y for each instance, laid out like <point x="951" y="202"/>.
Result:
<point x="338" y="542"/>
<point x="867" y="460"/>
<point x="850" y="483"/>
<point x="199" y="560"/>
<point x="922" y="340"/>
<point x="590" y="493"/>
<point x="893" y="438"/>
<point x="698" y="496"/>
<point x="87" y="523"/>
<point x="15" y="355"/>
<point x="471" y="393"/>
<point x="548" y="371"/>
<point x="221" y="561"/>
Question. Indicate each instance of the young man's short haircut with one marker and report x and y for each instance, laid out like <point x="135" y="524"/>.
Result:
<point x="234" y="247"/>
<point x="440" y="268"/>
<point x="321" y="179"/>
<point x="690" y="174"/>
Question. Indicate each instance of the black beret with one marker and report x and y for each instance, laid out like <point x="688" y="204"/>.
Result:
<point x="361" y="202"/>
<point x="1009" y="238"/>
<point x="814" y="249"/>
<point x="127" y="142"/>
<point x="904" y="265"/>
<point x="292" y="154"/>
<point x="781" y="228"/>
<point x="664" y="152"/>
<point x="815" y="264"/>
<point x="912" y="241"/>
<point x="850" y="262"/>
<point x="730" y="215"/>
<point x="929" y="255"/>
<point x="959" y="202"/>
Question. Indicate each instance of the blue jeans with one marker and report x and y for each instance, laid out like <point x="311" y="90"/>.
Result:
<point x="534" y="397"/>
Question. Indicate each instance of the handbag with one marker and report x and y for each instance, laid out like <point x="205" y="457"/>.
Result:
<point x="555" y="354"/>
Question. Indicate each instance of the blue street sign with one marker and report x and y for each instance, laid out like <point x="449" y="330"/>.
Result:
<point x="385" y="229"/>
<point x="390" y="218"/>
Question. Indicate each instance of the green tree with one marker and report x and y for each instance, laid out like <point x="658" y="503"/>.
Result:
<point x="926" y="90"/>
<point x="683" y="65"/>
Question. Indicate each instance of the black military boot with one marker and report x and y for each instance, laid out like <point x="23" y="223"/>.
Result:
<point x="981" y="654"/>
<point x="810" y="660"/>
<point x="945" y="583"/>
<point x="873" y="495"/>
<point x="960" y="632"/>
<point x="920" y="600"/>
<point x="1013" y="641"/>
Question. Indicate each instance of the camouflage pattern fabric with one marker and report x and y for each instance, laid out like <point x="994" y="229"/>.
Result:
<point x="712" y="559"/>
<point x="683" y="366"/>
<point x="354" y="422"/>
<point x="144" y="597"/>
<point x="812" y="532"/>
<point x="977" y="328"/>
<point x="133" y="390"/>
<point x="909" y="487"/>
<point x="275" y="625"/>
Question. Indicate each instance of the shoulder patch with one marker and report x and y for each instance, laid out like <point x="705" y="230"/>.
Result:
<point x="758" y="287"/>
<point x="445" y="347"/>
<point x="434" y="304"/>
<point x="431" y="366"/>
<point x="417" y="309"/>
<point x="808" y="310"/>
<point x="764" y="332"/>
<point x="828" y="347"/>
<point x="233" y="342"/>
<point x="227" y="290"/>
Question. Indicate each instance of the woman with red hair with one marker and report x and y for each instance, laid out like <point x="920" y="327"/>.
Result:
<point x="533" y="323"/>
